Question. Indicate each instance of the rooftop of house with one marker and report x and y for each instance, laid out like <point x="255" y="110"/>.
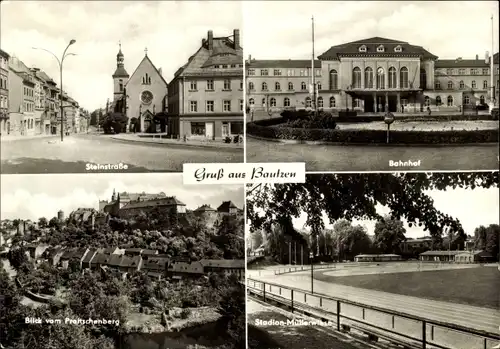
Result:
<point x="282" y="63"/>
<point x="213" y="52"/>
<point x="168" y="201"/>
<point x="225" y="206"/>
<point x="378" y="255"/>
<point x="205" y="208"/>
<point x="224" y="263"/>
<point x="478" y="62"/>
<point x="449" y="253"/>
<point x="371" y="47"/>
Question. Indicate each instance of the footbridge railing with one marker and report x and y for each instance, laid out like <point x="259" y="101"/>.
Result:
<point x="402" y="329"/>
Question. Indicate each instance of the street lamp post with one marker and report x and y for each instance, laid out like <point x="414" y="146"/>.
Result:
<point x="61" y="61"/>
<point x="389" y="119"/>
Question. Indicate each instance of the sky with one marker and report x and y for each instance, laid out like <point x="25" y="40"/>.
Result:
<point x="35" y="196"/>
<point x="448" y="29"/>
<point x="472" y="207"/>
<point x="171" y="30"/>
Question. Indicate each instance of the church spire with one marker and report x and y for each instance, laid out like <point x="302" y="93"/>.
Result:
<point x="119" y="57"/>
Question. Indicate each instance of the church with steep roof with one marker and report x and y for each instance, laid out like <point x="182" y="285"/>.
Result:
<point x="142" y="96"/>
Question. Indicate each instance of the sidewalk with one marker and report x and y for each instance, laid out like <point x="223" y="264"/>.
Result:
<point x="193" y="143"/>
<point x="8" y="138"/>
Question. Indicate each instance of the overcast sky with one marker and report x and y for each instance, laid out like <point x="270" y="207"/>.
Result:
<point x="35" y="196"/>
<point x="448" y="29"/>
<point x="472" y="207"/>
<point x="172" y="31"/>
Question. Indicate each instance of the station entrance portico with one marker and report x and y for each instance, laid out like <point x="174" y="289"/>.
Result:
<point x="380" y="101"/>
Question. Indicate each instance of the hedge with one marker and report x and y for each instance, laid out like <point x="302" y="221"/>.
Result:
<point x="372" y="136"/>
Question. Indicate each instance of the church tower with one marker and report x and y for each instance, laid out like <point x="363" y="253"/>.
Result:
<point x="120" y="77"/>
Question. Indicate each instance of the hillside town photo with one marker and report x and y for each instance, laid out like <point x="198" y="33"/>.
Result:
<point x="135" y="265"/>
<point x="70" y="89"/>
<point x="374" y="260"/>
<point x="387" y="96"/>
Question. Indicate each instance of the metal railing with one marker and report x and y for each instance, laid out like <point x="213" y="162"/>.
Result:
<point x="400" y="328"/>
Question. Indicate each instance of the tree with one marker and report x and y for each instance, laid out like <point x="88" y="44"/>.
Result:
<point x="350" y="240"/>
<point x="18" y="258"/>
<point x="480" y="237"/>
<point x="389" y="234"/>
<point x="492" y="244"/>
<point x="42" y="223"/>
<point x="357" y="195"/>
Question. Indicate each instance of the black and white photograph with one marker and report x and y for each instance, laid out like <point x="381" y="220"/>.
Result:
<point x="397" y="85"/>
<point x="129" y="261"/>
<point x="133" y="86"/>
<point x="378" y="260"/>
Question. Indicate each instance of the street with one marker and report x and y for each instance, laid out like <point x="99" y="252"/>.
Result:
<point x="49" y="155"/>
<point x="469" y="316"/>
<point x="375" y="158"/>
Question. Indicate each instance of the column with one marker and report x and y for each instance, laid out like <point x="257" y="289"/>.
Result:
<point x="398" y="77"/>
<point x="386" y="106"/>
<point x="363" y="75"/>
<point x="399" y="101"/>
<point x="374" y="101"/>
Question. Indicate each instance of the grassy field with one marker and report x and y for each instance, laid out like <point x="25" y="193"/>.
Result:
<point x="422" y="125"/>
<point x="475" y="286"/>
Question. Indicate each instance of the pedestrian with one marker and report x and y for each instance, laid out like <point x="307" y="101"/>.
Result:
<point x="429" y="111"/>
<point x="402" y="108"/>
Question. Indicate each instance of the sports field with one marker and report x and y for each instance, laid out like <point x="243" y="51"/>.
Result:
<point x="473" y="286"/>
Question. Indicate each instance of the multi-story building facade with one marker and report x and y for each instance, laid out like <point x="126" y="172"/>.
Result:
<point x="21" y="98"/>
<point x="205" y="97"/>
<point x="4" y="93"/>
<point x="371" y="75"/>
<point x="39" y="97"/>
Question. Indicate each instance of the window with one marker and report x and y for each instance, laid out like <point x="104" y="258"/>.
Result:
<point x="362" y="48"/>
<point x="250" y="72"/>
<point x="437" y="85"/>
<point x="277" y="86"/>
<point x="251" y="102"/>
<point x="398" y="48"/>
<point x="264" y="86"/>
<point x="368" y="77"/>
<point x="121" y="85"/>
<point x="318" y="86"/>
<point x="241" y="105"/>
<point x="380" y="78"/>
<point x="317" y="72"/>
<point x="334" y="79"/>
<point x="449" y="101"/>
<point x="286" y="102"/>
<point x="462" y="85"/>
<point x="198" y="128"/>
<point x="272" y="102"/>
<point x="236" y="127"/>
<point x="263" y="102"/>
<point x="423" y="78"/>
<point x="210" y="106"/>
<point x="449" y="71"/>
<point x="485" y="84"/>
<point x="227" y="84"/>
<point x="357" y="103"/>
<point x="438" y="101"/>
<point x="264" y="72"/>
<point x="241" y="84"/>
<point x="461" y="71"/>
<point x="308" y="102"/>
<point x="303" y="86"/>
<point x="485" y="71"/>
<point x="450" y="85"/>
<point x="356" y="78"/>
<point x="226" y="105"/>
<point x="466" y="99"/>
<point x="404" y="102"/>
<point x="210" y="85"/>
<point x="302" y="72"/>
<point x="146" y="97"/>
<point x="473" y="84"/>
<point x="277" y="72"/>
<point x="251" y="86"/>
<point x="291" y="72"/>
<point x="320" y="102"/>
<point x="427" y="101"/>
<point x="392" y="77"/>
<point x="380" y="48"/>
<point x="193" y="86"/>
<point x="290" y="86"/>
<point x="146" y="79"/>
<point x="481" y="100"/>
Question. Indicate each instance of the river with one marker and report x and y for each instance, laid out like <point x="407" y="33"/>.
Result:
<point x="209" y="335"/>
